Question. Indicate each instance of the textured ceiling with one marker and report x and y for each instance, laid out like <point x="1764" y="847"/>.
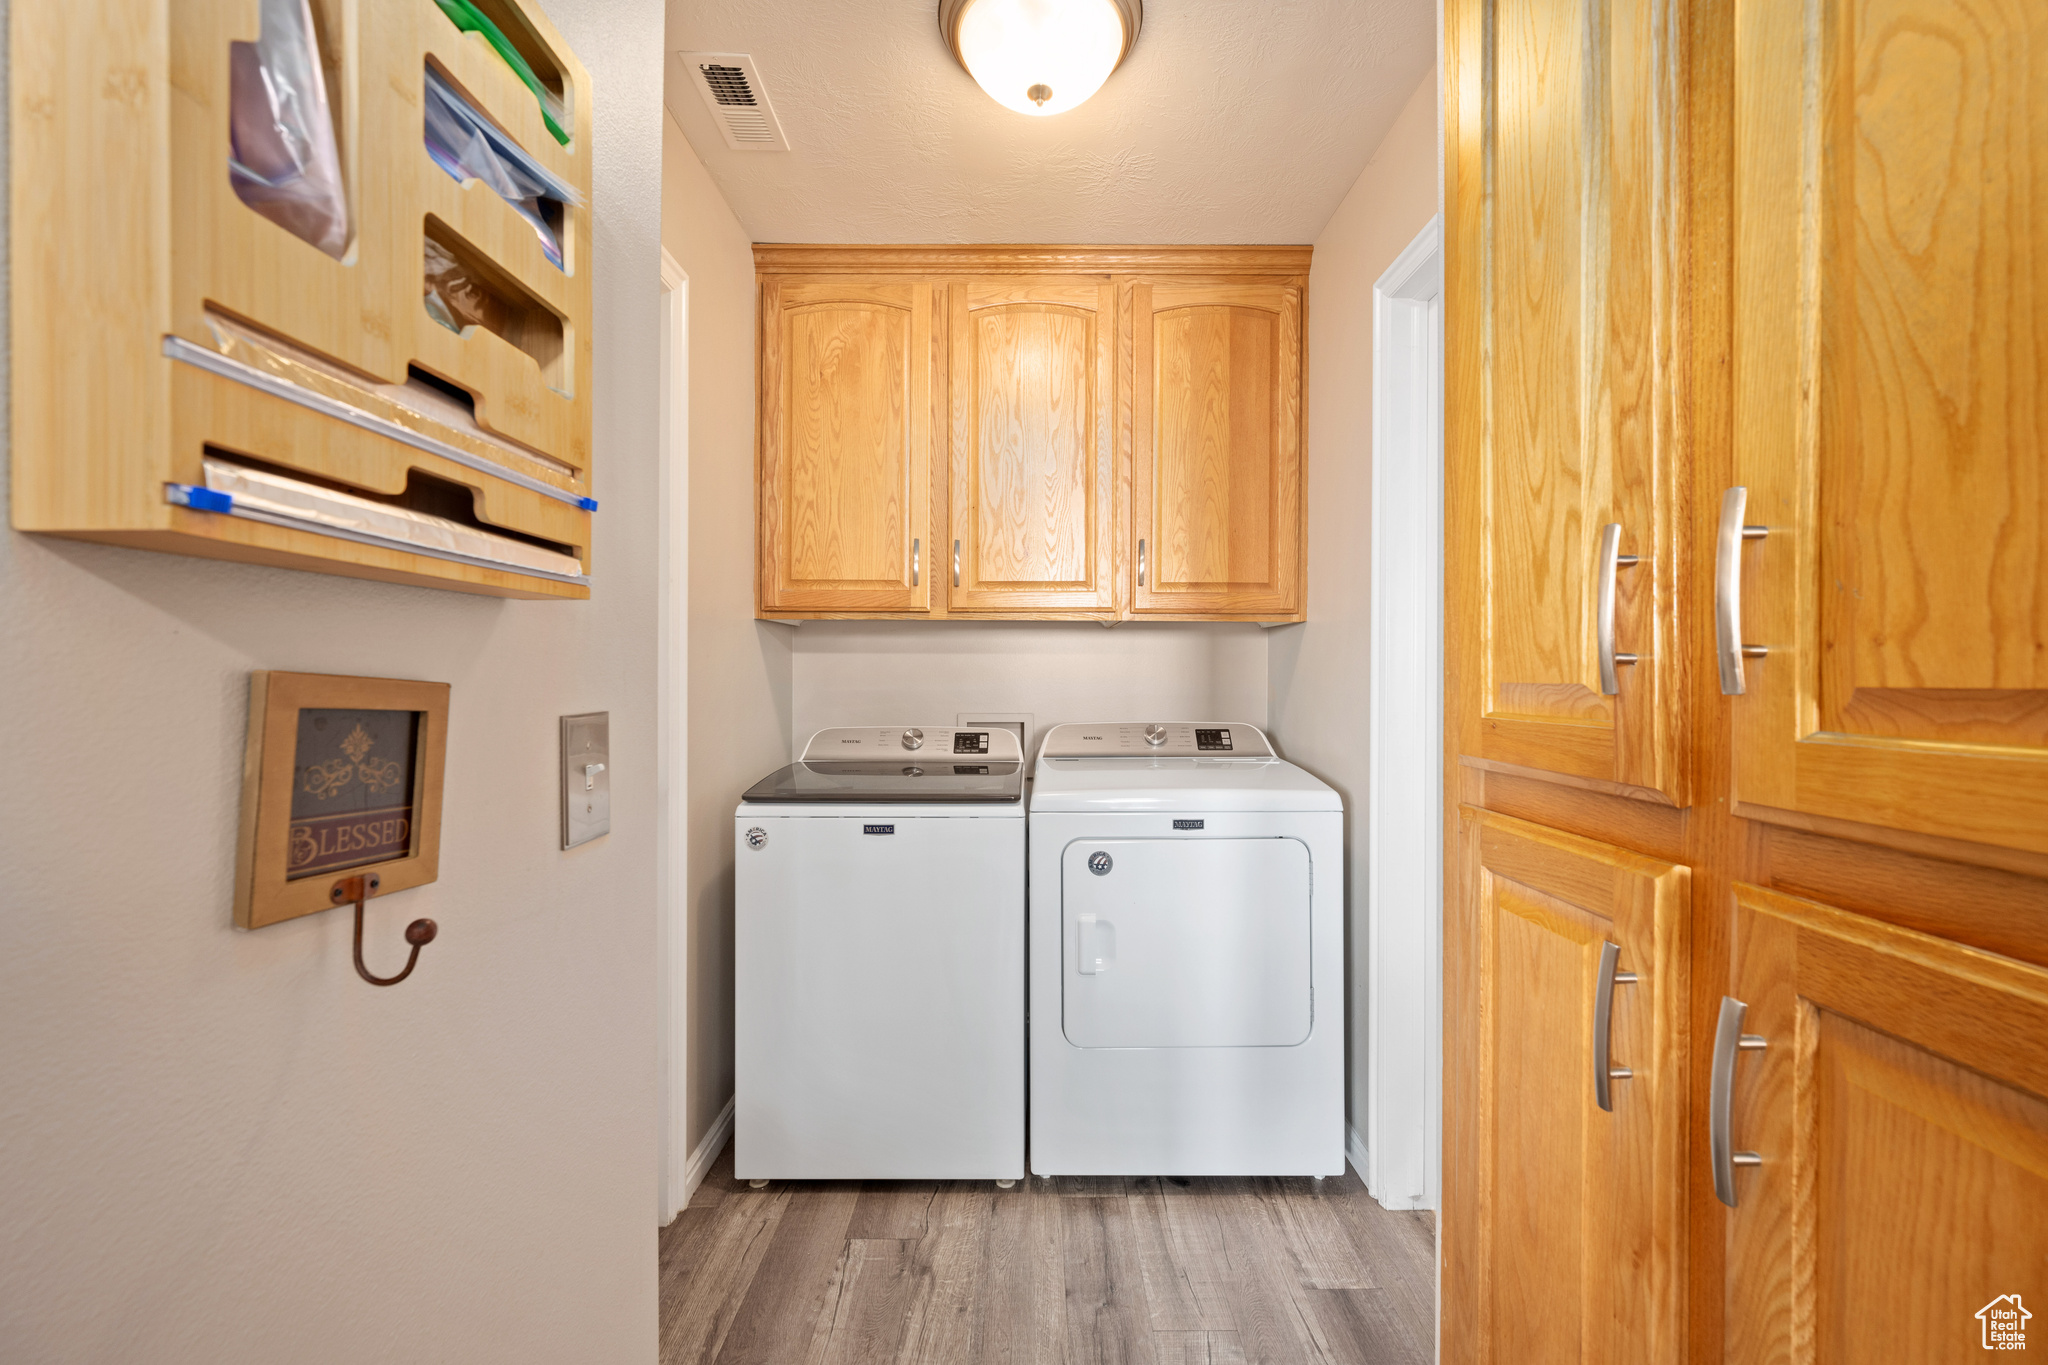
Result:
<point x="1231" y="121"/>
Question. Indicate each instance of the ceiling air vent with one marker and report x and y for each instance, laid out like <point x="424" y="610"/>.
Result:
<point x="733" y="93"/>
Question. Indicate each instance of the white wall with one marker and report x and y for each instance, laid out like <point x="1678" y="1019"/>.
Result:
<point x="1317" y="670"/>
<point x="222" y="1146"/>
<point x="909" y="672"/>
<point x="739" y="669"/>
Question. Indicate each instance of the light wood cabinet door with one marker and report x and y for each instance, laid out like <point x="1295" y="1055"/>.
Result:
<point x="1033" y="387"/>
<point x="846" y="431"/>
<point x="1562" y="1220"/>
<point x="1216" y="479"/>
<point x="1891" y="416"/>
<point x="1563" y="385"/>
<point x="1897" y="1105"/>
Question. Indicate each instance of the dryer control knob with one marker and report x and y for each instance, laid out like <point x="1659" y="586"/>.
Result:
<point x="1155" y="735"/>
<point x="913" y="739"/>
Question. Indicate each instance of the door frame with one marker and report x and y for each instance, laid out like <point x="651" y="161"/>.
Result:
<point x="1404" y="812"/>
<point x="672" y="732"/>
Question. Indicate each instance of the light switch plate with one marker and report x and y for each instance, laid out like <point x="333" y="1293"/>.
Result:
<point x="586" y="777"/>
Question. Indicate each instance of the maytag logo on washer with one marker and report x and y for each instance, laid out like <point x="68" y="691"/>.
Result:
<point x="878" y="829"/>
<point x="756" y="837"/>
<point x="1188" y="824"/>
<point x="1100" y="863"/>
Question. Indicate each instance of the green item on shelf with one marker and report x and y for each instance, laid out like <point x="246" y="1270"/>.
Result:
<point x="467" y="17"/>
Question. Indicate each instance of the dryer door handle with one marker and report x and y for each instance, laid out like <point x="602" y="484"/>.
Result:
<point x="1095" y="939"/>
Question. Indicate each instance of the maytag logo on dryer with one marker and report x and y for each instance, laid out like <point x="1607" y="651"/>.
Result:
<point x="1188" y="824"/>
<point x="878" y="829"/>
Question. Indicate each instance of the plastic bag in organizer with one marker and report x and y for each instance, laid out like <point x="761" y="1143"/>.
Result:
<point x="456" y="299"/>
<point x="283" y="162"/>
<point x="470" y="147"/>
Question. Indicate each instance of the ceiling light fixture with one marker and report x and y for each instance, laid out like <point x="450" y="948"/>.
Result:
<point x="1040" y="57"/>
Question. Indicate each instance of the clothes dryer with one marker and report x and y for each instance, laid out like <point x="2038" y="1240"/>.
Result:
<point x="1187" y="971"/>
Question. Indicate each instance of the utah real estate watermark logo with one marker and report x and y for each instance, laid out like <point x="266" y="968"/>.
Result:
<point x="2005" y="1323"/>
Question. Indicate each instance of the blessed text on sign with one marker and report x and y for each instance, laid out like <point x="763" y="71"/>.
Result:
<point x="352" y="789"/>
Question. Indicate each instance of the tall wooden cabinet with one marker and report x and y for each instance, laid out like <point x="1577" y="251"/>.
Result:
<point x="1758" y="294"/>
<point x="1570" y="1111"/>
<point x="1561" y="358"/>
<point x="1100" y="433"/>
<point x="1897" y="1105"/>
<point x="1891" y="416"/>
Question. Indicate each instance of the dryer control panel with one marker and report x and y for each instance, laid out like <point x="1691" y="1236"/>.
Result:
<point x="1157" y="739"/>
<point x="939" y="743"/>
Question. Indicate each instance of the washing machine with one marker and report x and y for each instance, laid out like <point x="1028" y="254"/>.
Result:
<point x="1187" y="969"/>
<point x="879" y="959"/>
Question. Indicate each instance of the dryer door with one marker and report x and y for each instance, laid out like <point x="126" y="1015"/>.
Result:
<point x="1186" y="942"/>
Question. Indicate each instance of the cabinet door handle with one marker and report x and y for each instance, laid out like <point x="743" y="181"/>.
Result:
<point x="1608" y="559"/>
<point x="956" y="563"/>
<point x="1728" y="1039"/>
<point x="915" y="546"/>
<point x="1728" y="646"/>
<point x="1603" y="1013"/>
<point x="1141" y="563"/>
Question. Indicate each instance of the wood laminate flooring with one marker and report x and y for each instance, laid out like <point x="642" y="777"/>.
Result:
<point x="1054" y="1272"/>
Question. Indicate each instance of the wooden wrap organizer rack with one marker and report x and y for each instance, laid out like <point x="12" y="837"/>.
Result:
<point x="167" y="336"/>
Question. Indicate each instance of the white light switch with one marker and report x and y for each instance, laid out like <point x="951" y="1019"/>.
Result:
<point x="586" y="777"/>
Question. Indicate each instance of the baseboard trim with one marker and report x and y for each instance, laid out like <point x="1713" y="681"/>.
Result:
<point x="1354" y="1148"/>
<point x="706" y="1152"/>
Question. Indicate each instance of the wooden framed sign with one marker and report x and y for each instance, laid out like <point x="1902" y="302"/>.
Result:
<point x="342" y="777"/>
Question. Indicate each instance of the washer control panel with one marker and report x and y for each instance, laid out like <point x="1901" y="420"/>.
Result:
<point x="851" y="743"/>
<point x="1157" y="739"/>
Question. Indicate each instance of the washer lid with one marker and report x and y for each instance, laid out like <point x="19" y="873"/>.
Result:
<point x="911" y="780"/>
<point x="901" y="765"/>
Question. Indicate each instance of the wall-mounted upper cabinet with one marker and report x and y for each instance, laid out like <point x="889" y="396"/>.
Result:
<point x="1010" y="433"/>
<point x="331" y="256"/>
<point x="846" y="423"/>
<point x="1032" y="445"/>
<point x="1216" y="471"/>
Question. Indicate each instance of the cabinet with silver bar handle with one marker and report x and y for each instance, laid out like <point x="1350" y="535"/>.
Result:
<point x="1746" y="582"/>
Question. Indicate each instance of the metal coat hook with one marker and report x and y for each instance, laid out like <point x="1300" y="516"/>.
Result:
<point x="419" y="933"/>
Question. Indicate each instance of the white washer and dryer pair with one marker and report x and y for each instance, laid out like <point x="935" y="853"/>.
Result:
<point x="1184" y="940"/>
<point x="1187" y="972"/>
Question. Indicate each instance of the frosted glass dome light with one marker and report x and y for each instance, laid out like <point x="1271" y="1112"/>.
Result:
<point x="1040" y="57"/>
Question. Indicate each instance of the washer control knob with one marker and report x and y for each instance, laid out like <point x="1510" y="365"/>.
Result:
<point x="756" y="837"/>
<point x="913" y="771"/>
<point x="1155" y="735"/>
<point x="913" y="739"/>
